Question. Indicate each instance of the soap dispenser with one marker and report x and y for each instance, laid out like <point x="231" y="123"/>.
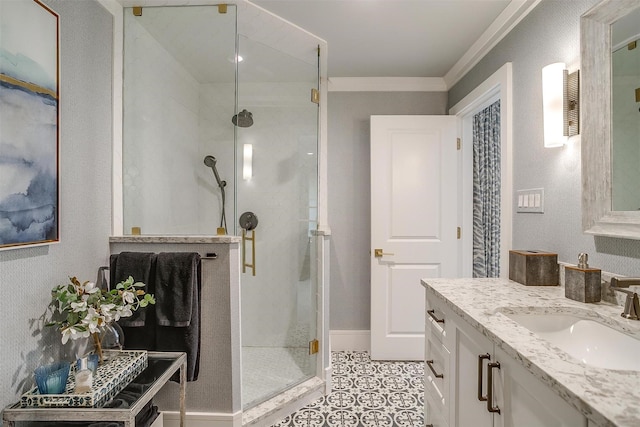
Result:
<point x="582" y="283"/>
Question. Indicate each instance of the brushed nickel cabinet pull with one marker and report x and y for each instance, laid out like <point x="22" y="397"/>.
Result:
<point x="432" y="313"/>
<point x="430" y="365"/>
<point x="490" y="406"/>
<point x="481" y="358"/>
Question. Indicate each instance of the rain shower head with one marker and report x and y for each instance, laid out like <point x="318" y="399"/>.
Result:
<point x="243" y="119"/>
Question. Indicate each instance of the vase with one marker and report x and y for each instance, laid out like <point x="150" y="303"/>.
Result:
<point x="109" y="337"/>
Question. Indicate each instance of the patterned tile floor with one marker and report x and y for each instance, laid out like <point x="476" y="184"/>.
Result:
<point x="366" y="393"/>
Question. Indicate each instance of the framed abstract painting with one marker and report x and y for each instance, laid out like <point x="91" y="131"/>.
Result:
<point x="29" y="124"/>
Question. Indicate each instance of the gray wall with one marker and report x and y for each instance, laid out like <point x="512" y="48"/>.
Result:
<point x="550" y="33"/>
<point x="27" y="275"/>
<point x="350" y="194"/>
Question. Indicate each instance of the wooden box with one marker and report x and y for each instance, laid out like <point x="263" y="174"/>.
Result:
<point x="534" y="268"/>
<point x="582" y="284"/>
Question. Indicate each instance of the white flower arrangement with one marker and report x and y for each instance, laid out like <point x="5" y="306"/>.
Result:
<point x="83" y="308"/>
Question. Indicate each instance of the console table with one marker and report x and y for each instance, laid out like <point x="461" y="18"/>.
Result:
<point x="161" y="367"/>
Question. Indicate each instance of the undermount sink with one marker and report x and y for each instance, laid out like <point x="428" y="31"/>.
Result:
<point x="591" y="342"/>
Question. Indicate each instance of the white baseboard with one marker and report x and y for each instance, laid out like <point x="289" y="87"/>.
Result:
<point x="202" y="419"/>
<point x="350" y="340"/>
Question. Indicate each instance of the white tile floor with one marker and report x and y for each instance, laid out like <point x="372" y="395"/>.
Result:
<point x="267" y="370"/>
<point x="367" y="393"/>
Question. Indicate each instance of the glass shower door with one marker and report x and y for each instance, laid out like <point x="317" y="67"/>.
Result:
<point x="277" y="183"/>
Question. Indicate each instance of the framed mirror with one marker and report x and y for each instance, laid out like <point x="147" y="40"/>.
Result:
<point x="596" y="43"/>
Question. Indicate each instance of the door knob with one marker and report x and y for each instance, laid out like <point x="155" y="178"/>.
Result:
<point x="379" y="254"/>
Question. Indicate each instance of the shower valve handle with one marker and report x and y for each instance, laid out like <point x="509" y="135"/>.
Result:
<point x="248" y="221"/>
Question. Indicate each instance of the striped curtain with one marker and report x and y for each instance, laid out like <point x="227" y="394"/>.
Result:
<point x="486" y="192"/>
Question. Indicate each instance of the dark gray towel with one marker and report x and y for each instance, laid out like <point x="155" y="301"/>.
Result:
<point x="138" y="265"/>
<point x="176" y="282"/>
<point x="178" y="291"/>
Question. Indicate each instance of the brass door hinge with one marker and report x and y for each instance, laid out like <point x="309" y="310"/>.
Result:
<point x="459" y="232"/>
<point x="632" y="45"/>
<point x="315" y="96"/>
<point x="459" y="143"/>
<point x="137" y="10"/>
<point x="314" y="346"/>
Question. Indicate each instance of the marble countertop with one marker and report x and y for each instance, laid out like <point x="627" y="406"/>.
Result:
<point x="607" y="397"/>
<point x="148" y="238"/>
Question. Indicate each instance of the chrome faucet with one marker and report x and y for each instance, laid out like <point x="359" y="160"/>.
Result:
<point x="631" y="304"/>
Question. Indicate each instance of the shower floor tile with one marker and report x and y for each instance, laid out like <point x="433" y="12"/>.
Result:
<point x="267" y="370"/>
<point x="366" y="393"/>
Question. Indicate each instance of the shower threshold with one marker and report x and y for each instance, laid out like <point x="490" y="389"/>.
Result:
<point x="283" y="404"/>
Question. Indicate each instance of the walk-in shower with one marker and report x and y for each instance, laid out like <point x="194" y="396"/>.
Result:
<point x="186" y="99"/>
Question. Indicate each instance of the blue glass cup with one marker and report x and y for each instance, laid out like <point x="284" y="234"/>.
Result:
<point x="52" y="378"/>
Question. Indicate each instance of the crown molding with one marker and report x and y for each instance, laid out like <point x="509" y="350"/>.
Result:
<point x="504" y="23"/>
<point x="387" y="84"/>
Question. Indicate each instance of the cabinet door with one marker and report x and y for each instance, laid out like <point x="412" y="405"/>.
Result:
<point x="469" y="346"/>
<point x="437" y="381"/>
<point x="433" y="417"/>
<point x="528" y="402"/>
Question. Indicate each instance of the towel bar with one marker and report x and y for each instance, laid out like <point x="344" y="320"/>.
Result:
<point x="252" y="266"/>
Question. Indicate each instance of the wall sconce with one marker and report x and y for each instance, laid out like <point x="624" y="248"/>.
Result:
<point x="247" y="161"/>
<point x="561" y="104"/>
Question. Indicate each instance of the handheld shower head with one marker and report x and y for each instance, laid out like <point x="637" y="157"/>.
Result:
<point x="210" y="162"/>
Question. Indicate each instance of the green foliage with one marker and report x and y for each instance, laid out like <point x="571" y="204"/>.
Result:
<point x="83" y="308"/>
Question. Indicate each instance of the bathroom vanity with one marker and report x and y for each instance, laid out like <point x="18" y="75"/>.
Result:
<point x="499" y="353"/>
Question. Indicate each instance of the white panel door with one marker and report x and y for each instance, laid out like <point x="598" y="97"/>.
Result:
<point x="414" y="220"/>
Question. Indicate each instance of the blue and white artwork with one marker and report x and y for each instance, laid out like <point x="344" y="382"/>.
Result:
<point x="28" y="124"/>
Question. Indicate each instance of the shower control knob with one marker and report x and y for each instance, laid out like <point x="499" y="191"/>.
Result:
<point x="248" y="221"/>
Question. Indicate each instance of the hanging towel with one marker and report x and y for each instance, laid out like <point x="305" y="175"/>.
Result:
<point x="138" y="265"/>
<point x="176" y="283"/>
<point x="178" y="291"/>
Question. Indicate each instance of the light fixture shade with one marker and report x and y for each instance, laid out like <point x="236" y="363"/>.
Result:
<point x="247" y="161"/>
<point x="552" y="104"/>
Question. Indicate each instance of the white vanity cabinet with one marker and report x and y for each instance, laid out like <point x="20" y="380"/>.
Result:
<point x="481" y="385"/>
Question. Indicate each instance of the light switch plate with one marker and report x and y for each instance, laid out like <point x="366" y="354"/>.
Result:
<point x="530" y="201"/>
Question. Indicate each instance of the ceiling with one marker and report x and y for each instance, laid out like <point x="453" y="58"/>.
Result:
<point x="400" y="38"/>
<point x="435" y="40"/>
